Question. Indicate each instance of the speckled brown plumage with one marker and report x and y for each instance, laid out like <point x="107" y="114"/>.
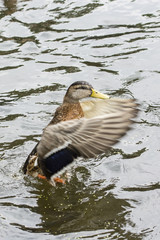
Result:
<point x="67" y="111"/>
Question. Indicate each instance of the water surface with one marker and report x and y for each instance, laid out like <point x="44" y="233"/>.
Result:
<point x="44" y="47"/>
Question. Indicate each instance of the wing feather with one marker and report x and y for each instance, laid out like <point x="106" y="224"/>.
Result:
<point x="99" y="107"/>
<point x="91" y="136"/>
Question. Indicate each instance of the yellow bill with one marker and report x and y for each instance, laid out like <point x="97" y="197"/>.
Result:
<point x="96" y="94"/>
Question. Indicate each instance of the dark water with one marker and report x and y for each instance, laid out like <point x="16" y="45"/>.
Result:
<point x="44" y="47"/>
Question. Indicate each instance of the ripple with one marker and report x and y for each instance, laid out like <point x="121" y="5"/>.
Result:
<point x="123" y="53"/>
<point x="67" y="69"/>
<point x="11" y="117"/>
<point x="13" y="96"/>
<point x="8" y="52"/>
<point x="113" y="35"/>
<point x="143" y="188"/>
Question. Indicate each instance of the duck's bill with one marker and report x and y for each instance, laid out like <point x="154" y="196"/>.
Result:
<point x="96" y="94"/>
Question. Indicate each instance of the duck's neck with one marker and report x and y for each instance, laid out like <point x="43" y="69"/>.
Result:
<point x="69" y="100"/>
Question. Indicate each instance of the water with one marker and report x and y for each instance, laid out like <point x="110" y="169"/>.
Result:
<point x="44" y="47"/>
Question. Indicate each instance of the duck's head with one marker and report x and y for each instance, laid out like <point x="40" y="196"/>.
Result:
<point x="82" y="89"/>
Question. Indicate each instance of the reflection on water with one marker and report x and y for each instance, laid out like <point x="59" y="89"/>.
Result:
<point x="10" y="6"/>
<point x="77" y="208"/>
<point x="44" y="47"/>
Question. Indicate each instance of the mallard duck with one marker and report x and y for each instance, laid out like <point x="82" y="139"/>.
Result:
<point x="79" y="129"/>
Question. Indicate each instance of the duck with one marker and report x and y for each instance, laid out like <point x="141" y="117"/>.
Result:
<point x="80" y="128"/>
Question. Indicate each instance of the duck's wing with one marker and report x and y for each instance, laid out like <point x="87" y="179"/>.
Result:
<point x="86" y="137"/>
<point x="98" y="107"/>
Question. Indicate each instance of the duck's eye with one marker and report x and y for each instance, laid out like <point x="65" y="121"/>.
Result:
<point x="81" y="87"/>
<point x="84" y="87"/>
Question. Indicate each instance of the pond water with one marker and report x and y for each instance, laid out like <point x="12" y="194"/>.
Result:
<point x="44" y="47"/>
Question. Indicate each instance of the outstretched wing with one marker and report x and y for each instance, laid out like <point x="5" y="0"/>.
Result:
<point x="99" y="107"/>
<point x="88" y="137"/>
